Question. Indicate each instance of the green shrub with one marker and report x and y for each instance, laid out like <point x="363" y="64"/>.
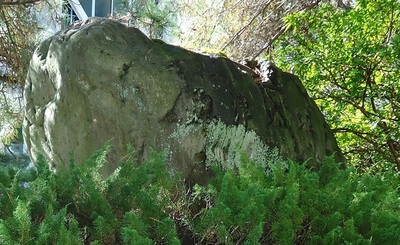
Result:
<point x="143" y="204"/>
<point x="298" y="206"/>
<point x="77" y="206"/>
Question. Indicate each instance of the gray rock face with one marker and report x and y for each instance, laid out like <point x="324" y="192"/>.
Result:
<point x="104" y="82"/>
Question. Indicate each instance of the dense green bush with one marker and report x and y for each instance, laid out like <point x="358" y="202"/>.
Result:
<point x="77" y="206"/>
<point x="143" y="204"/>
<point x="298" y="206"/>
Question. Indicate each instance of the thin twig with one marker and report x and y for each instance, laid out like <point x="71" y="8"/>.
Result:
<point x="260" y="9"/>
<point x="18" y="2"/>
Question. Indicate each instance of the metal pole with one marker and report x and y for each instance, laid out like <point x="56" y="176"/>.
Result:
<point x="112" y="8"/>
<point x="93" y="8"/>
<point x="79" y="11"/>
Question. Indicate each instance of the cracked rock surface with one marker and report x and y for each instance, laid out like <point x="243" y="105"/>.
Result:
<point x="105" y="82"/>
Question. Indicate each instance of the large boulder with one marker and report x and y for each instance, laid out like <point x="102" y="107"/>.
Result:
<point x="104" y="82"/>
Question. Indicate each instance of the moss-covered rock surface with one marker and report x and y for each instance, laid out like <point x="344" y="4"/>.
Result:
<point x="105" y="82"/>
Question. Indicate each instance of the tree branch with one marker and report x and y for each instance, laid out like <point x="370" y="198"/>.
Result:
<point x="281" y="31"/>
<point x="268" y="44"/>
<point x="260" y="9"/>
<point x="368" y="138"/>
<point x="17" y="2"/>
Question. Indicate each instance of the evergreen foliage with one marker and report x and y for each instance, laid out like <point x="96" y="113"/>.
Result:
<point x="153" y="17"/>
<point x="299" y="206"/>
<point x="144" y="204"/>
<point x="77" y="206"/>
